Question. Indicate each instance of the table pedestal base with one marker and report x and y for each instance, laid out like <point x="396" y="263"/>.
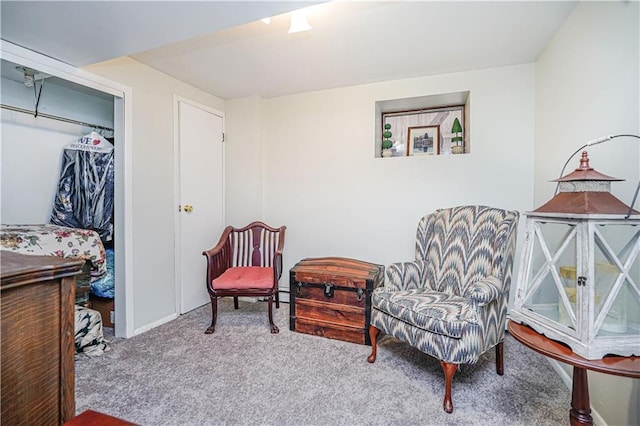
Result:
<point x="580" y="413"/>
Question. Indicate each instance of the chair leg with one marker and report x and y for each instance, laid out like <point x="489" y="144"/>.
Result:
<point x="274" y="328"/>
<point x="500" y="358"/>
<point x="235" y="303"/>
<point x="373" y="336"/>
<point x="449" y="371"/>
<point x="214" y="315"/>
<point x="277" y="299"/>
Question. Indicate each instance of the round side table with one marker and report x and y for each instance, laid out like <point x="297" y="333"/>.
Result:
<point x="580" y="413"/>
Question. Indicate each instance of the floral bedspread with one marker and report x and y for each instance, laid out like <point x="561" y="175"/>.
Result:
<point x="54" y="240"/>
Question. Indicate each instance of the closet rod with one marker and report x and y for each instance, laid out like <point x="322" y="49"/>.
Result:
<point x="55" y="117"/>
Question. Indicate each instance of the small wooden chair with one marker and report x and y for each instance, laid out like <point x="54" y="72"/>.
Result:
<point x="246" y="262"/>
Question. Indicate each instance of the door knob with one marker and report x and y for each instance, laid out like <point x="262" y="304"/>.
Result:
<point x="188" y="208"/>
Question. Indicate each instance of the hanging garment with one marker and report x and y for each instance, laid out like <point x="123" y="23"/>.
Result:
<point x="84" y="197"/>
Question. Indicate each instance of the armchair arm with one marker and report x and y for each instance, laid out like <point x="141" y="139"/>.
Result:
<point x="277" y="267"/>
<point x="405" y="275"/>
<point x="277" y="257"/>
<point x="484" y="291"/>
<point x="218" y="257"/>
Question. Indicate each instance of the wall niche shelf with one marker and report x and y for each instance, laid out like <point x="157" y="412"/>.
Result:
<point x="422" y="126"/>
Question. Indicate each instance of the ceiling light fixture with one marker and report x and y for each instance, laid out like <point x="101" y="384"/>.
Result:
<point x="298" y="23"/>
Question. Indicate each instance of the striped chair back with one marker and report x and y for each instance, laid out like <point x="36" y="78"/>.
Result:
<point x="254" y="246"/>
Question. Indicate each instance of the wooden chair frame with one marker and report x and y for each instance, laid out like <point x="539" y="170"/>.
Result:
<point x="220" y="258"/>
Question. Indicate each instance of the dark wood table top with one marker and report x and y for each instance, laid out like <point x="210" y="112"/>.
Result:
<point x="616" y="365"/>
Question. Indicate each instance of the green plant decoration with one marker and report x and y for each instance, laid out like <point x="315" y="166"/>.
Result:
<point x="386" y="142"/>
<point x="457" y="130"/>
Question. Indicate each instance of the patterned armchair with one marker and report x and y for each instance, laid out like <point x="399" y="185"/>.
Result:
<point x="451" y="302"/>
<point x="246" y="262"/>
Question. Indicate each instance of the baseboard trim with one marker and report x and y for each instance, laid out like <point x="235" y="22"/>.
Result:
<point x="568" y="381"/>
<point x="155" y="324"/>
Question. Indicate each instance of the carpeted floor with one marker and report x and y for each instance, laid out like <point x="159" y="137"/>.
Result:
<point x="244" y="375"/>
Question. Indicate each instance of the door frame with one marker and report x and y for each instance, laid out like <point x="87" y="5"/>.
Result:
<point x="176" y="186"/>
<point x="123" y="194"/>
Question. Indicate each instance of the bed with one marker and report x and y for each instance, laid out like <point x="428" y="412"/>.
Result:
<point x="55" y="240"/>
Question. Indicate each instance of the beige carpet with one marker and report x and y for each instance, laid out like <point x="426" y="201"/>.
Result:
<point x="243" y="375"/>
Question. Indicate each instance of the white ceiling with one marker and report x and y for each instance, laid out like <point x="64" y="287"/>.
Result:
<point x="222" y="47"/>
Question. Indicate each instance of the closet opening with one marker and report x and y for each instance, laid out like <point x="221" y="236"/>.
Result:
<point x="55" y="119"/>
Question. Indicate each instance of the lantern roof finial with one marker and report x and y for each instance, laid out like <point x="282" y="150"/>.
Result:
<point x="585" y="172"/>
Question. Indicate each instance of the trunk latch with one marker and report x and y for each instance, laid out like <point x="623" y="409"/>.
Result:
<point x="328" y="290"/>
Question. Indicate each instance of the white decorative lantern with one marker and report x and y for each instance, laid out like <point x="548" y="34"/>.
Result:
<point x="579" y="277"/>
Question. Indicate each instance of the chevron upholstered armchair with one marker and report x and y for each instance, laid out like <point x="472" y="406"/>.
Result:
<point x="451" y="302"/>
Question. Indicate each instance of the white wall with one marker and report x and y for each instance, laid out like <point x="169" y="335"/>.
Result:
<point x="153" y="207"/>
<point x="32" y="146"/>
<point x="244" y="152"/>
<point x="587" y="86"/>
<point x="31" y="158"/>
<point x="322" y="180"/>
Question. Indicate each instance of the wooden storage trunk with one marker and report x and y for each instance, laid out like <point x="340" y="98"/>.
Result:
<point x="331" y="297"/>
<point x="105" y="307"/>
<point x="83" y="285"/>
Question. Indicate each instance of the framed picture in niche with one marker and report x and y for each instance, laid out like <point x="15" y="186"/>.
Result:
<point x="423" y="140"/>
<point x="452" y="133"/>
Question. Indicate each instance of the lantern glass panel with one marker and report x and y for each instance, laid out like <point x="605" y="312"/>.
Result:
<point x="616" y="279"/>
<point x="552" y="289"/>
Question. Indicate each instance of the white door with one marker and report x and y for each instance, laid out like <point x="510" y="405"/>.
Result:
<point x="201" y="198"/>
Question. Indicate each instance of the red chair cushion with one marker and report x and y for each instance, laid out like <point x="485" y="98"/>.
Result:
<point x="244" y="277"/>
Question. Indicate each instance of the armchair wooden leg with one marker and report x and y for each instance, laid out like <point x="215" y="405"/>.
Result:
<point x="500" y="358"/>
<point x="277" y="300"/>
<point x="235" y="303"/>
<point x="274" y="328"/>
<point x="214" y="315"/>
<point x="373" y="336"/>
<point x="449" y="371"/>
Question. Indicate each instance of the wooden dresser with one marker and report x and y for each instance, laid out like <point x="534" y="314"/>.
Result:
<point x="37" y="340"/>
